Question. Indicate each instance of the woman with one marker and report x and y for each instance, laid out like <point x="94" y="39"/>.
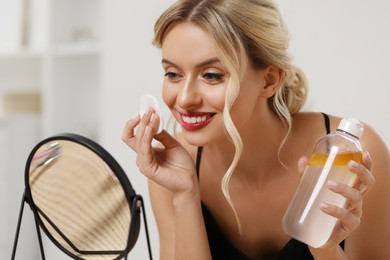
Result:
<point x="219" y="189"/>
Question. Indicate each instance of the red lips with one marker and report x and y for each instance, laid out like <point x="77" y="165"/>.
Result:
<point x="195" y="121"/>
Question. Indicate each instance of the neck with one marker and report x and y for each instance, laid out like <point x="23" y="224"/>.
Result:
<point x="261" y="139"/>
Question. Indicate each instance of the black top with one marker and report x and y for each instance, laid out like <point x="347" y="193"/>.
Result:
<point x="222" y="248"/>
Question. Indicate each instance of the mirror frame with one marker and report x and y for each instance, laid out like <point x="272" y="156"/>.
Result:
<point x="135" y="201"/>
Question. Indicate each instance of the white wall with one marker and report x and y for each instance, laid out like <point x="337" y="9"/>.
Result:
<point x="18" y="135"/>
<point x="131" y="67"/>
<point x="342" y="46"/>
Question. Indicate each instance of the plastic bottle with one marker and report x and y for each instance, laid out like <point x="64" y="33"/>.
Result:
<point x="303" y="219"/>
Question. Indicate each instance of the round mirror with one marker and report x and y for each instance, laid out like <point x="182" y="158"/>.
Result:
<point x="82" y="198"/>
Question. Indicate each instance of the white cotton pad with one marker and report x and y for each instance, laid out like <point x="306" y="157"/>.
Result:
<point x="147" y="101"/>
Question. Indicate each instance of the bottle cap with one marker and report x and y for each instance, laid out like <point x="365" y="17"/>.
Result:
<point x="351" y="126"/>
<point x="147" y="101"/>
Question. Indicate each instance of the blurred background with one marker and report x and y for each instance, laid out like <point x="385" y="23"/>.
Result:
<point x="80" y="66"/>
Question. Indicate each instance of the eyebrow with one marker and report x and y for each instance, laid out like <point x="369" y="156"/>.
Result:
<point x="206" y="62"/>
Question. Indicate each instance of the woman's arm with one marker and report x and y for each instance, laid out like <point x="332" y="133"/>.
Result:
<point x="180" y="225"/>
<point x="173" y="187"/>
<point x="161" y="201"/>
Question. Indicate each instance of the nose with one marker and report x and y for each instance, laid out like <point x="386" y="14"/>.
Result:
<point x="189" y="95"/>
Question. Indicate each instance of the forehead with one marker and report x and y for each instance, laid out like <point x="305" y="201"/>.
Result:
<point x="188" y="43"/>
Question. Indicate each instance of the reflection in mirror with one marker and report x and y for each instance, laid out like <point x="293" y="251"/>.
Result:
<point x="82" y="199"/>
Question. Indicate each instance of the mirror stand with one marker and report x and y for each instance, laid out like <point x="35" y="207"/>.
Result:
<point x="82" y="199"/>
<point x="24" y="200"/>
<point x="138" y="207"/>
<point x="139" y="204"/>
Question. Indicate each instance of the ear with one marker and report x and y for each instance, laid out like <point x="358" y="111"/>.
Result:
<point x="273" y="76"/>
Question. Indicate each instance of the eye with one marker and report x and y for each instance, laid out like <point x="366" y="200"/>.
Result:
<point x="213" y="77"/>
<point x="172" y="76"/>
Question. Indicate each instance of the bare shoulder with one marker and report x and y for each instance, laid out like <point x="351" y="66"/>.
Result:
<point x="316" y="120"/>
<point x="373" y="142"/>
<point x="308" y="128"/>
<point x="311" y="123"/>
<point x="379" y="152"/>
<point x="375" y="225"/>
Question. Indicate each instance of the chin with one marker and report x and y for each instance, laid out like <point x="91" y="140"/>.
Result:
<point x="202" y="138"/>
<point x="195" y="138"/>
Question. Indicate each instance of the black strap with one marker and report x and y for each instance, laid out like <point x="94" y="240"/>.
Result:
<point x="327" y="123"/>
<point x="198" y="157"/>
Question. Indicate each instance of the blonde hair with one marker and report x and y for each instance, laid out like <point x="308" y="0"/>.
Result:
<point x="243" y="31"/>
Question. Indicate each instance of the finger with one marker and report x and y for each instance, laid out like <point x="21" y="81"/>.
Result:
<point x="352" y="195"/>
<point x="149" y="128"/>
<point x="302" y="163"/>
<point x="145" y="155"/>
<point x="142" y="126"/>
<point x="367" y="161"/>
<point x="152" y="119"/>
<point x="154" y="122"/>
<point x="348" y="221"/>
<point x="128" y="132"/>
<point x="167" y="140"/>
<point x="144" y="134"/>
<point x="365" y="179"/>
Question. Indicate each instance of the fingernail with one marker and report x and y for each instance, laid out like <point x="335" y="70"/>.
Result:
<point x="367" y="154"/>
<point x="147" y="112"/>
<point x="353" y="164"/>
<point x="324" y="205"/>
<point x="332" y="184"/>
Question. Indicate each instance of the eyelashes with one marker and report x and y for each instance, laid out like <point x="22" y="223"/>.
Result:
<point x="209" y="77"/>
<point x="213" y="76"/>
<point x="172" y="76"/>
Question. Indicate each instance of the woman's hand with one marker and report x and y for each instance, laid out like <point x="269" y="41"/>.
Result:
<point x="171" y="166"/>
<point x="349" y="217"/>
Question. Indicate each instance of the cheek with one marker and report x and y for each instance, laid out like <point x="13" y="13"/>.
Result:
<point x="246" y="105"/>
<point x="215" y="97"/>
<point x="169" y="95"/>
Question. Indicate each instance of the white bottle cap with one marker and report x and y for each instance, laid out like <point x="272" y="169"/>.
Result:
<point x="147" y="101"/>
<point x="351" y="126"/>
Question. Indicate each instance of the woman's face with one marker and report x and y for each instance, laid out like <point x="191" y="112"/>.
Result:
<point x="195" y="84"/>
